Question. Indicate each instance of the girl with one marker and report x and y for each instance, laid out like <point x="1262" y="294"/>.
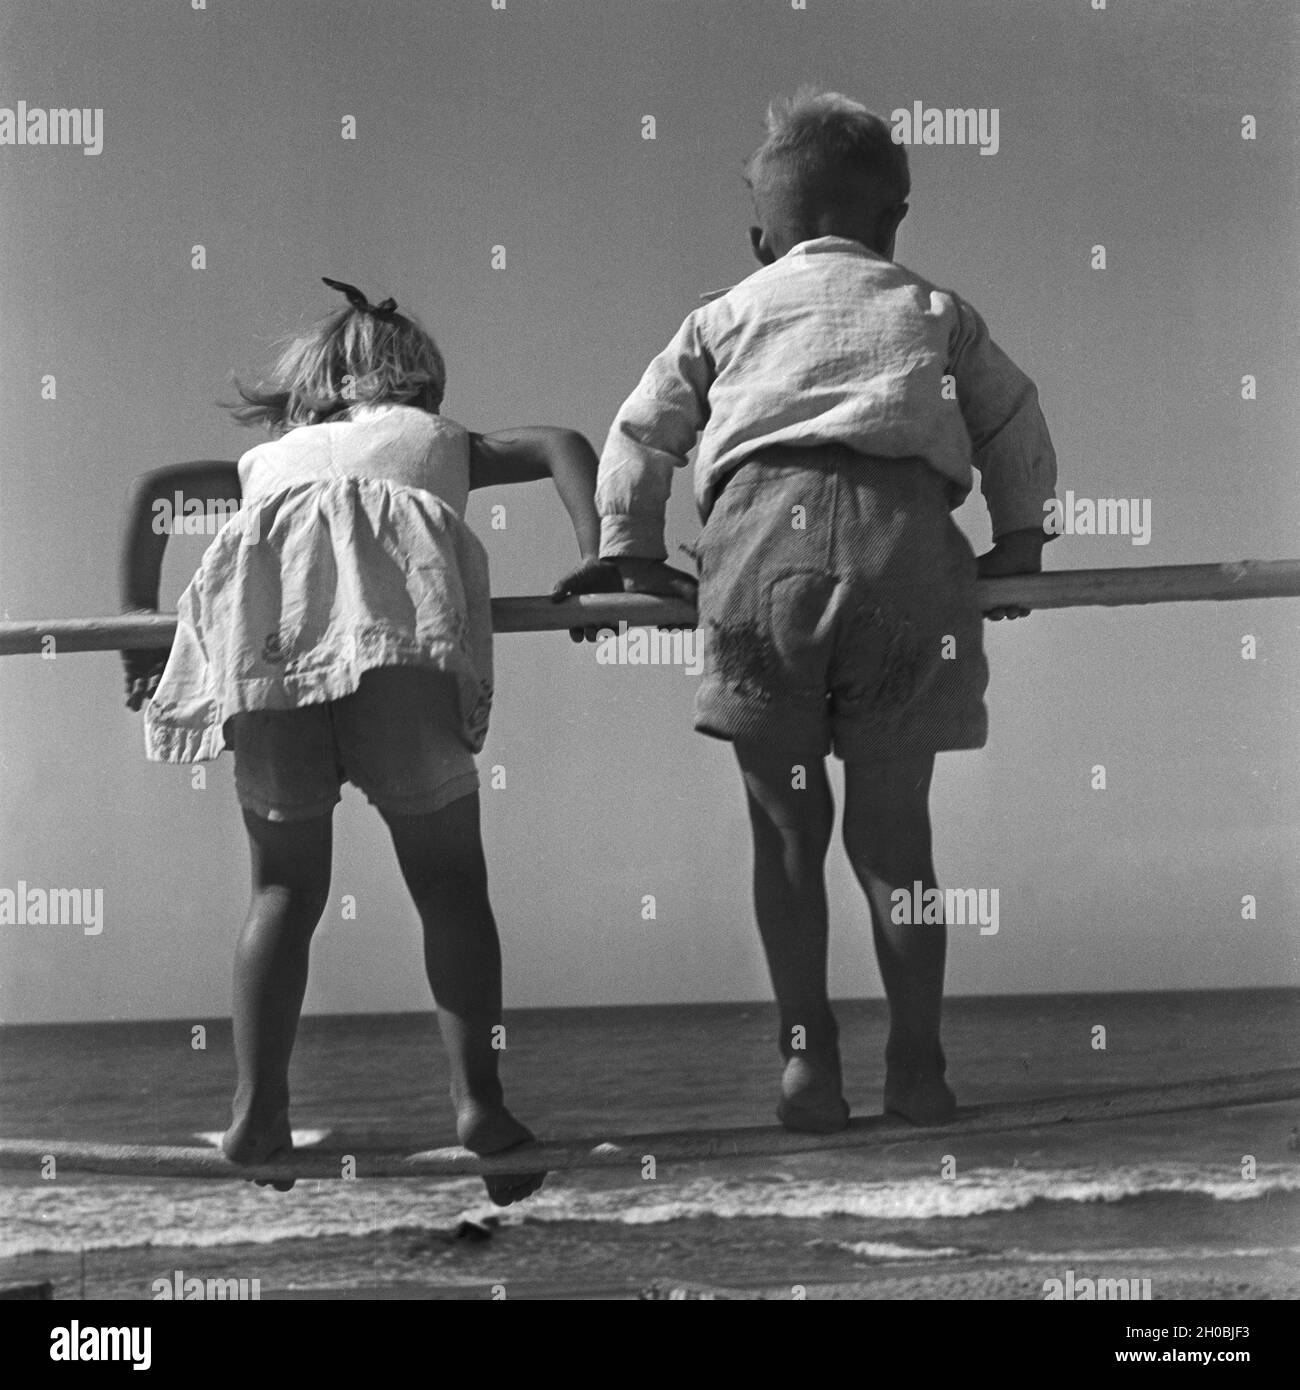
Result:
<point x="339" y="629"/>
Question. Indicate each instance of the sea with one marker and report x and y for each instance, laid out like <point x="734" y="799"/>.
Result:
<point x="1208" y="1195"/>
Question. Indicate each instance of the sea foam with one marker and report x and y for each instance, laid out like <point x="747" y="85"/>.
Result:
<point x="111" y="1215"/>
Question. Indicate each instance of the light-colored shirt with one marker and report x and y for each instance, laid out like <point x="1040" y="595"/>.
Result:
<point x="830" y="344"/>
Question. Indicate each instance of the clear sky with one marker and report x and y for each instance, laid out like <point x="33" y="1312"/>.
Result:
<point x="479" y="127"/>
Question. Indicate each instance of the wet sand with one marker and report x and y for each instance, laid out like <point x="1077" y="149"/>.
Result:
<point x="653" y="1264"/>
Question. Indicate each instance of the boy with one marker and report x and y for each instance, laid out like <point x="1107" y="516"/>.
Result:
<point x="840" y="401"/>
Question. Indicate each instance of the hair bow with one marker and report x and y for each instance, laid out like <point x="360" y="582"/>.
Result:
<point x="358" y="300"/>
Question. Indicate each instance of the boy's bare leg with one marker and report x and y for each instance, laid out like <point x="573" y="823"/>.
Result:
<point x="441" y="855"/>
<point x="887" y="835"/>
<point x="791" y="832"/>
<point x="291" y="877"/>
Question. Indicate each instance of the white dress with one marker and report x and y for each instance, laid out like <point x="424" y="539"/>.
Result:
<point x="350" y="552"/>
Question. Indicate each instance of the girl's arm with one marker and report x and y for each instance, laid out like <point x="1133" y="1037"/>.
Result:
<point x="151" y="511"/>
<point x="540" y="451"/>
<point x="520" y="456"/>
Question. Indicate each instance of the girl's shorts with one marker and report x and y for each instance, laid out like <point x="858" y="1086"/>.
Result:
<point x="837" y="597"/>
<point x="396" y="737"/>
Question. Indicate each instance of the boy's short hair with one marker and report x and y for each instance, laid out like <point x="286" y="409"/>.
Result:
<point x="354" y="357"/>
<point x="826" y="151"/>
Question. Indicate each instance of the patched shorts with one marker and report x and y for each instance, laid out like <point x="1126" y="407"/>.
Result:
<point x="838" y="604"/>
<point x="398" y="738"/>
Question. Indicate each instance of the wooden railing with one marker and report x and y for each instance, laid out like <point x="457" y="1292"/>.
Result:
<point x="1108" y="588"/>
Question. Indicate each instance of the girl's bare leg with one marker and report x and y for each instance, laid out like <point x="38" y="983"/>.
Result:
<point x="441" y="856"/>
<point x="291" y="877"/>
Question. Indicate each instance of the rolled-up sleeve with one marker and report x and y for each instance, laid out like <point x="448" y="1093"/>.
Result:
<point x="1010" y="443"/>
<point x="652" y="434"/>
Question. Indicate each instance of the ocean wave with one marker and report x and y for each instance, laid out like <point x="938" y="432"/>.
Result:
<point x="978" y="1193"/>
<point x="1147" y="1255"/>
<point x="67" y="1217"/>
<point x="882" y="1251"/>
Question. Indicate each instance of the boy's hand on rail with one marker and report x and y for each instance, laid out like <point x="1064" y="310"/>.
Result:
<point x="1018" y="552"/>
<point x="624" y="575"/>
<point x="591" y="577"/>
<point x="656" y="577"/>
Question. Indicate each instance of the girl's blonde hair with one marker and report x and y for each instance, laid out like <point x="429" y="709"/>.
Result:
<point x="361" y="355"/>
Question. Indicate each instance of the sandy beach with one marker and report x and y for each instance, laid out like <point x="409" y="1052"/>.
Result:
<point x="1219" y="1279"/>
<point x="706" y="1258"/>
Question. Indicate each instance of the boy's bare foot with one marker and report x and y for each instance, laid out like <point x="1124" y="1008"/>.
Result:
<point x="923" y="1101"/>
<point x="923" y="1098"/>
<point x="492" y="1129"/>
<point x="257" y="1136"/>
<point x="811" y="1096"/>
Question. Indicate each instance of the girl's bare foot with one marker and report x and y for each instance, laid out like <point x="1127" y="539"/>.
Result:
<point x="259" y="1134"/>
<point x="492" y="1129"/>
<point x="812" y="1101"/>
